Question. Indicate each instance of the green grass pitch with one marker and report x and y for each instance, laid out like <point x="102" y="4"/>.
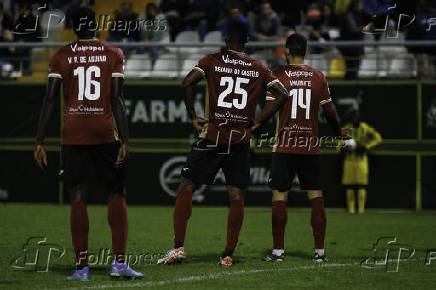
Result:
<point x="350" y="239"/>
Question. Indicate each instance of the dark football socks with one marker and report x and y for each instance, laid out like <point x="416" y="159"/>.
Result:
<point x="279" y="220"/>
<point x="79" y="231"/>
<point x="318" y="221"/>
<point x="234" y="223"/>
<point x="182" y="213"/>
<point x="117" y="217"/>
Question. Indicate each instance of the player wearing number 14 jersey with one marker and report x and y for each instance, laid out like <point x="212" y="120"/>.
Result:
<point x="296" y="150"/>
<point x="235" y="82"/>
<point x="94" y="136"/>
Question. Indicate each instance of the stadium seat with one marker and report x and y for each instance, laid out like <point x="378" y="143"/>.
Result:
<point x="369" y="49"/>
<point x="319" y="62"/>
<point x="212" y="36"/>
<point x="337" y="68"/>
<point x="373" y="66"/>
<point x="403" y="66"/>
<point x="187" y="37"/>
<point x="334" y="33"/>
<point x="189" y="62"/>
<point x="138" y="65"/>
<point x="166" y="66"/>
<point x="391" y="50"/>
<point x="187" y="66"/>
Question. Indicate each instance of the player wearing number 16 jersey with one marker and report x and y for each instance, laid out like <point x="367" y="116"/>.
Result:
<point x="94" y="135"/>
<point x="296" y="150"/>
<point x="234" y="82"/>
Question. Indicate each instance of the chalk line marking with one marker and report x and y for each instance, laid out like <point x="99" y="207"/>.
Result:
<point x="207" y="277"/>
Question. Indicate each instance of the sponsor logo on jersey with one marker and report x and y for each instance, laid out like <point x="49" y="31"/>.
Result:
<point x="76" y="48"/>
<point x="298" y="73"/>
<point x="81" y="109"/>
<point x="226" y="59"/>
<point x="230" y="116"/>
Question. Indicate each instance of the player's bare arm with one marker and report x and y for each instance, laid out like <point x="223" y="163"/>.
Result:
<point x="189" y="84"/>
<point x="333" y="121"/>
<point x="281" y="95"/>
<point x="50" y="99"/>
<point x="119" y="113"/>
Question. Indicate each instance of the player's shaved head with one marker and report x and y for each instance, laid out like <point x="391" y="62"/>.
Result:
<point x="297" y="45"/>
<point x="84" y="23"/>
<point x="236" y="35"/>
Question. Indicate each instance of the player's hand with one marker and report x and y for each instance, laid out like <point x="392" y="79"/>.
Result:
<point x="255" y="126"/>
<point x="345" y="133"/>
<point x="122" y="154"/>
<point x="198" y="124"/>
<point x="40" y="156"/>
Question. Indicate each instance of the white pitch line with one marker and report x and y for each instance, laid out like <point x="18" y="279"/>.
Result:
<point x="207" y="277"/>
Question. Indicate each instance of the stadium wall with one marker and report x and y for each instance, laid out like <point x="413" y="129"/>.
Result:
<point x="402" y="169"/>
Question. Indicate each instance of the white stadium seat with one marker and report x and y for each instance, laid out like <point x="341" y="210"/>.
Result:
<point x="373" y="66"/>
<point x="138" y="65"/>
<point x="190" y="37"/>
<point x="212" y="36"/>
<point x="403" y="66"/>
<point x="166" y="66"/>
<point x="319" y="62"/>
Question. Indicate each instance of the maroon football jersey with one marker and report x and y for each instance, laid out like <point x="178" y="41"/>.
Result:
<point x="86" y="69"/>
<point x="297" y="128"/>
<point x="234" y="83"/>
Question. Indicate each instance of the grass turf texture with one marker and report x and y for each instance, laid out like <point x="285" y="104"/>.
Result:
<point x="349" y="239"/>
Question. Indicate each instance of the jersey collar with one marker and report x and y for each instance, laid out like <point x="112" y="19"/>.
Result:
<point x="234" y="51"/>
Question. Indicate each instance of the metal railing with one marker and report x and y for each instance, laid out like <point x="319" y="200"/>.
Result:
<point x="389" y="58"/>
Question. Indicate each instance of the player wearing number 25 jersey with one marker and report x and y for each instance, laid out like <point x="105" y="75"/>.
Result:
<point x="296" y="150"/>
<point x="234" y="83"/>
<point x="94" y="135"/>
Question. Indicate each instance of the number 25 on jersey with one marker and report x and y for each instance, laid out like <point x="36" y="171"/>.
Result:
<point x="235" y="88"/>
<point x="85" y="82"/>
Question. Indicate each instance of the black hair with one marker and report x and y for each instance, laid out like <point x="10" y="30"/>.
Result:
<point x="84" y="23"/>
<point x="237" y="32"/>
<point x="297" y="44"/>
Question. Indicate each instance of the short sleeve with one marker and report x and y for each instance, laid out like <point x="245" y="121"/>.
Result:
<point x="269" y="96"/>
<point x="202" y="65"/>
<point x="54" y="67"/>
<point x="325" y="91"/>
<point x="118" y="70"/>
